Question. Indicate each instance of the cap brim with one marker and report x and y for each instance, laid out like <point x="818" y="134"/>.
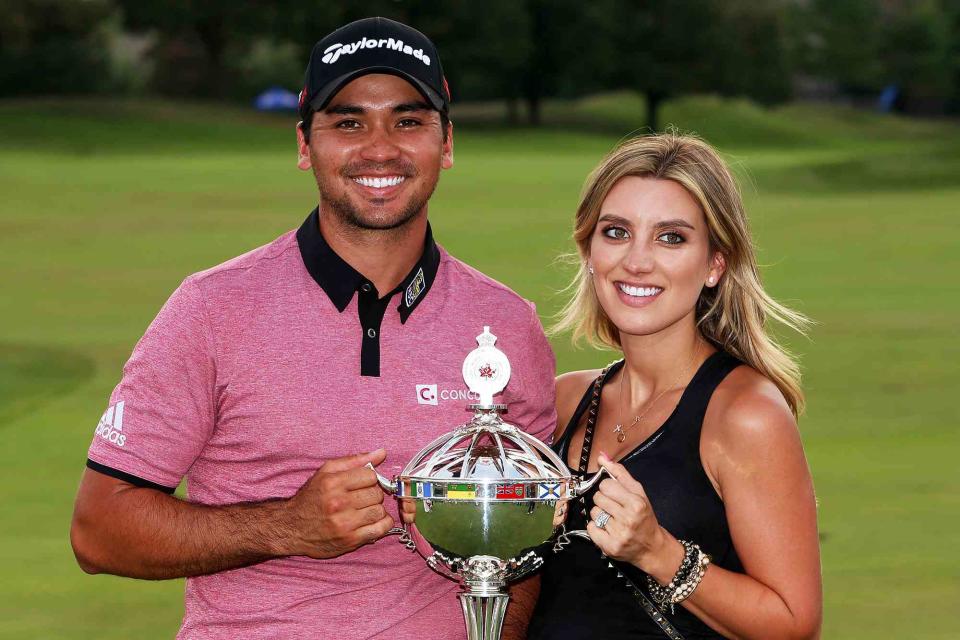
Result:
<point x="320" y="100"/>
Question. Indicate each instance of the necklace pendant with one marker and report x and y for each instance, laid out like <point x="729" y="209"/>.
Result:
<point x="621" y="436"/>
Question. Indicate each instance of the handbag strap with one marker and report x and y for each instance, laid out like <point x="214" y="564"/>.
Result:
<point x="655" y="614"/>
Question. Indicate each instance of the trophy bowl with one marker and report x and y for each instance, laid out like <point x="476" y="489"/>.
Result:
<point x="487" y="496"/>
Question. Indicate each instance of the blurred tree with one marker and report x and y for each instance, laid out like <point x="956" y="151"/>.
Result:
<point x="840" y="40"/>
<point x="953" y="17"/>
<point x="666" y="48"/>
<point x="201" y="42"/>
<point x="193" y="39"/>
<point x="915" y="54"/>
<point x="517" y="51"/>
<point x="753" y="57"/>
<point x="53" y="46"/>
<point x="554" y="53"/>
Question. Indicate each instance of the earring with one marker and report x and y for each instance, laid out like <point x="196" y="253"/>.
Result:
<point x="590" y="269"/>
<point x="710" y="280"/>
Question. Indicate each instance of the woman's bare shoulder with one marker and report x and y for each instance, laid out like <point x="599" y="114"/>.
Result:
<point x="748" y="422"/>
<point x="745" y="402"/>
<point x="570" y="388"/>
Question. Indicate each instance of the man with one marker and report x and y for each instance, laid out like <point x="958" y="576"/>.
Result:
<point x="270" y="381"/>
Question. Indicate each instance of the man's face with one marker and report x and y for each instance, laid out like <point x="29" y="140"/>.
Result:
<point x="376" y="151"/>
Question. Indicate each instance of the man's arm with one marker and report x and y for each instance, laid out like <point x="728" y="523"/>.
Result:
<point x="139" y="532"/>
<point x="523" y="598"/>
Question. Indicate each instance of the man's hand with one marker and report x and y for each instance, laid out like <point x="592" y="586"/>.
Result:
<point x="339" y="509"/>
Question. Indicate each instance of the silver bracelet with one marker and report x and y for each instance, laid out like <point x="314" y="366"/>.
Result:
<point x="684" y="581"/>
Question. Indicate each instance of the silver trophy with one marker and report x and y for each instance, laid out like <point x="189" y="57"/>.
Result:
<point x="487" y="495"/>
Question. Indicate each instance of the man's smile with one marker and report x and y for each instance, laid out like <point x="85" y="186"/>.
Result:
<point x="379" y="182"/>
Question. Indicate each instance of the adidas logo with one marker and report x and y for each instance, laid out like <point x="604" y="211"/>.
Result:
<point x="110" y="427"/>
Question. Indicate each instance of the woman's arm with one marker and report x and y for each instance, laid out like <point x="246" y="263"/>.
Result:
<point x="752" y="451"/>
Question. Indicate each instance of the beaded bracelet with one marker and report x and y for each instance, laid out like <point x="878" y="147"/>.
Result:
<point x="684" y="581"/>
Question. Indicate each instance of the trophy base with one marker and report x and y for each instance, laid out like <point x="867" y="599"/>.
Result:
<point x="484" y="615"/>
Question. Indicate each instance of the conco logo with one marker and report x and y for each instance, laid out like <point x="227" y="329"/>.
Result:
<point x="430" y="394"/>
<point x="332" y="53"/>
<point x="427" y="394"/>
<point x="110" y="427"/>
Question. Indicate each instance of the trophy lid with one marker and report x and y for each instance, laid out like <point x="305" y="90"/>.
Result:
<point x="486" y="370"/>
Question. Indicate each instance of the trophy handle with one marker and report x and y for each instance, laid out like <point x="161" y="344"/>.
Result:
<point x="405" y="538"/>
<point x="564" y="538"/>
<point x="386" y="484"/>
<point x="584" y="485"/>
<point x="580" y="487"/>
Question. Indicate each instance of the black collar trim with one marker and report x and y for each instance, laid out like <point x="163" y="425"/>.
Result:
<point x="340" y="281"/>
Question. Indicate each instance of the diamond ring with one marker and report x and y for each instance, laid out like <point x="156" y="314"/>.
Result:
<point x="602" y="518"/>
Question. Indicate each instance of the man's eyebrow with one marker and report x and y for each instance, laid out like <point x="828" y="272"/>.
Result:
<point x="352" y="109"/>
<point x="344" y="110"/>
<point x="407" y="107"/>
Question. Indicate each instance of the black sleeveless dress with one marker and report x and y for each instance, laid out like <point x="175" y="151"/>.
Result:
<point x="580" y="596"/>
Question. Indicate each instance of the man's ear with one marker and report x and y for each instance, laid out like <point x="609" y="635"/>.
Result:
<point x="303" y="150"/>
<point x="446" y="160"/>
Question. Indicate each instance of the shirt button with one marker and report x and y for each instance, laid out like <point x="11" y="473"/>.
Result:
<point x="372" y="333"/>
<point x="365" y="287"/>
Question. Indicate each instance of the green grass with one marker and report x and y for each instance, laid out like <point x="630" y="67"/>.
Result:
<point x="106" y="207"/>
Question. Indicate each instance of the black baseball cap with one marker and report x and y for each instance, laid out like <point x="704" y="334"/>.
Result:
<point x="373" y="45"/>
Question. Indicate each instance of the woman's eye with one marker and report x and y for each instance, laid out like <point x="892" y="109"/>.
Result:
<point x="617" y="233"/>
<point x="670" y="238"/>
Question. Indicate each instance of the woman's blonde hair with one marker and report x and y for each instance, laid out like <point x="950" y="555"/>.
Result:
<point x="733" y="315"/>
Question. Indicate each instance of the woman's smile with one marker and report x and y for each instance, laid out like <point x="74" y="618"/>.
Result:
<point x="637" y="295"/>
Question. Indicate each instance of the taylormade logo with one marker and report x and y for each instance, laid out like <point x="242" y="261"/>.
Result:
<point x="332" y="53"/>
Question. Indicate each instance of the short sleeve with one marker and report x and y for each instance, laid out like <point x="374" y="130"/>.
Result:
<point x="535" y="410"/>
<point x="162" y="413"/>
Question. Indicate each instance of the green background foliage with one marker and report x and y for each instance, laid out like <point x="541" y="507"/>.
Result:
<point x="518" y="51"/>
<point x="108" y="205"/>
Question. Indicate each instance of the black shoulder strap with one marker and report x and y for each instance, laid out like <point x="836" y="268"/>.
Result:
<point x="693" y="404"/>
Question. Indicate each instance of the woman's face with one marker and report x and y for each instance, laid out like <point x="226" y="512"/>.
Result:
<point x="650" y="255"/>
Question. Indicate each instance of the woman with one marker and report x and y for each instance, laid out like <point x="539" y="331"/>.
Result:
<point x="707" y="526"/>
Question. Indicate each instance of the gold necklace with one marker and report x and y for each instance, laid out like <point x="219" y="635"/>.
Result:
<point x="619" y="430"/>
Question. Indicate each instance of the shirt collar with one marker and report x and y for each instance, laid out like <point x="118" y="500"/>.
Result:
<point x="340" y="281"/>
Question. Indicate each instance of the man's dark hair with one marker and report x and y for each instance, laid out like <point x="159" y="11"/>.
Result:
<point x="308" y="122"/>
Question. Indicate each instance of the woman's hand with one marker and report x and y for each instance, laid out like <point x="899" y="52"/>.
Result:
<point x="632" y="534"/>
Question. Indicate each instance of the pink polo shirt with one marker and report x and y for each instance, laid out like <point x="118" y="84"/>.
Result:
<point x="249" y="379"/>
